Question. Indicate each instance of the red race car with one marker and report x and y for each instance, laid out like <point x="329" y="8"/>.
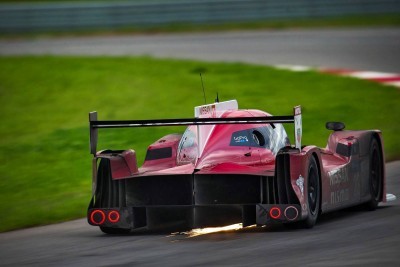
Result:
<point x="232" y="166"/>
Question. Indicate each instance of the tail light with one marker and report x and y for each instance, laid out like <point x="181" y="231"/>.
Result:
<point x="97" y="217"/>
<point x="100" y="216"/>
<point x="113" y="216"/>
<point x="275" y="213"/>
<point x="291" y="213"/>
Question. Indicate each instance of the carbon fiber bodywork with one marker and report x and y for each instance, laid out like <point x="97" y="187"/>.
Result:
<point x="233" y="166"/>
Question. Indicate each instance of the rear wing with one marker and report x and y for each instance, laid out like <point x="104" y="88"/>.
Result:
<point x="95" y="124"/>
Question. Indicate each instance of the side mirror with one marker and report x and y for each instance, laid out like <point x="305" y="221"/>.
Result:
<point x="335" y="126"/>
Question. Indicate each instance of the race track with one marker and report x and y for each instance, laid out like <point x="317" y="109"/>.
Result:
<point x="350" y="237"/>
<point x="360" y="49"/>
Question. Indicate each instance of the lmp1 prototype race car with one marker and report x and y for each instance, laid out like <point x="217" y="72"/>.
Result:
<point x="232" y="166"/>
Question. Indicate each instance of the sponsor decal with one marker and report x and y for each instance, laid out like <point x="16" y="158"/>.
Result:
<point x="298" y="135"/>
<point x="208" y="110"/>
<point x="240" y="139"/>
<point x="300" y="184"/>
<point x="297" y="126"/>
<point x="340" y="196"/>
<point x="338" y="177"/>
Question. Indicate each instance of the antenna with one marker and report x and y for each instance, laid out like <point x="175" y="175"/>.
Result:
<point x="204" y="92"/>
<point x="217" y="99"/>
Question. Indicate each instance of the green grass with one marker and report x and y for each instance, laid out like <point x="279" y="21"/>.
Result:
<point x="45" y="175"/>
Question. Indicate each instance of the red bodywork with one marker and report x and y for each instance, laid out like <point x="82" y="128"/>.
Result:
<point x="247" y="172"/>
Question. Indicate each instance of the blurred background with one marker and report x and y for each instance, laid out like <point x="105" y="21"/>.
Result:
<point x="55" y="16"/>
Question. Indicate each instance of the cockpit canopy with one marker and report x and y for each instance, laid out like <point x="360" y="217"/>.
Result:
<point x="201" y="141"/>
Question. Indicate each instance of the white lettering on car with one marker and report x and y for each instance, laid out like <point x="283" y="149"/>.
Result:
<point x="340" y="196"/>
<point x="339" y="183"/>
<point x="208" y="110"/>
<point x="338" y="176"/>
<point x="240" y="139"/>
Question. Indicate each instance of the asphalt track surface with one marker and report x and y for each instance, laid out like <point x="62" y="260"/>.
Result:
<point x="361" y="49"/>
<point x="351" y="237"/>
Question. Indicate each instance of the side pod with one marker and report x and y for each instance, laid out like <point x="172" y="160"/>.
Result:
<point x="123" y="163"/>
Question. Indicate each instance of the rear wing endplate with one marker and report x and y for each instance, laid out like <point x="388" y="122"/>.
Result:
<point x="95" y="124"/>
<point x="298" y="129"/>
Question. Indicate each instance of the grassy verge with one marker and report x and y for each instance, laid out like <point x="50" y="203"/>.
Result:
<point x="45" y="170"/>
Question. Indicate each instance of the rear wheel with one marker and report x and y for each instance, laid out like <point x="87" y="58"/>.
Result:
<point x="313" y="198"/>
<point x="313" y="194"/>
<point x="375" y="174"/>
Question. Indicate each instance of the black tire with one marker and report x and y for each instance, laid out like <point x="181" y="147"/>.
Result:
<point x="313" y="194"/>
<point x="375" y="174"/>
<point x="313" y="198"/>
<point x="114" y="231"/>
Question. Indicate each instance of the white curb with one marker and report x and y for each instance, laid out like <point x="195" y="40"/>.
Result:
<point x="391" y="79"/>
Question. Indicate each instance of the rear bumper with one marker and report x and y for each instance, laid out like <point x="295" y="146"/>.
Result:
<point x="183" y="217"/>
<point x="194" y="200"/>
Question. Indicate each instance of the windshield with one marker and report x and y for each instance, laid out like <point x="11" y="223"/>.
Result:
<point x="270" y="137"/>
